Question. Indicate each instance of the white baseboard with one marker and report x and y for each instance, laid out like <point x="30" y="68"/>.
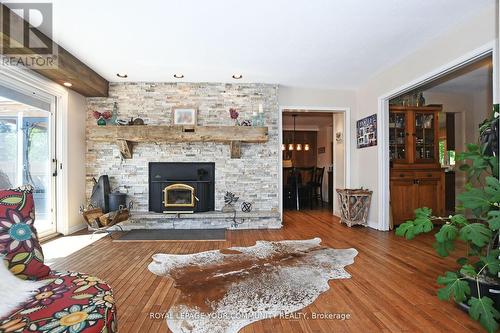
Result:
<point x="373" y="225"/>
<point x="77" y="227"/>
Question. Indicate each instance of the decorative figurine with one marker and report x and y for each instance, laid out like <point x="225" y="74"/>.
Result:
<point x="246" y="207"/>
<point x="229" y="199"/>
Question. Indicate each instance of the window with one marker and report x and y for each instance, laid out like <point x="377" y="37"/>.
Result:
<point x="442" y="152"/>
<point x="446" y="157"/>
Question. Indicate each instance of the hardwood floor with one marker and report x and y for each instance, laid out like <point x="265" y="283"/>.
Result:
<point x="392" y="288"/>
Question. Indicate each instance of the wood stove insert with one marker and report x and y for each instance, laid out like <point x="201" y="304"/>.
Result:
<point x="176" y="187"/>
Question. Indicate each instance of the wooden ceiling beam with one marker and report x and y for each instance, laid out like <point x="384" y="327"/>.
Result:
<point x="84" y="80"/>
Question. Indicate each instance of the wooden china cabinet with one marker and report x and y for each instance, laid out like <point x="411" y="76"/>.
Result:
<point x="416" y="177"/>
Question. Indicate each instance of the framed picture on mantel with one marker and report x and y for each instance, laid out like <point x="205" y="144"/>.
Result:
<point x="184" y="115"/>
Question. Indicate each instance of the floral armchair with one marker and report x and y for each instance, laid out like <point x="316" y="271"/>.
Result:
<point x="69" y="301"/>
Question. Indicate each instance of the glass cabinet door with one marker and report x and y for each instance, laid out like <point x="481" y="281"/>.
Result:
<point x="397" y="136"/>
<point x="425" y="137"/>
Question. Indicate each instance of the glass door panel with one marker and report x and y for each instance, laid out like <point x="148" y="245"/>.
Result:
<point x="397" y="136"/>
<point x="26" y="156"/>
<point x="424" y="137"/>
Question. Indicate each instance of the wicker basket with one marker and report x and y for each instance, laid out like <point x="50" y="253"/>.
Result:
<point x="354" y="205"/>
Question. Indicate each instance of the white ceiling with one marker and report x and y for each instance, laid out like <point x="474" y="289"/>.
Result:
<point x="313" y="43"/>
<point x="476" y="80"/>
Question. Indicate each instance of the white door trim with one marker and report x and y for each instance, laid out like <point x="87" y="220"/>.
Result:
<point x="383" y="119"/>
<point x="29" y="82"/>
<point x="347" y="135"/>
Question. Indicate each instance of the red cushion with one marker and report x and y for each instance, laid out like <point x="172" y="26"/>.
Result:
<point x="18" y="238"/>
<point x="70" y="302"/>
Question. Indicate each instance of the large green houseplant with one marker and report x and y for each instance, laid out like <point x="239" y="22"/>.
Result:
<point x="477" y="224"/>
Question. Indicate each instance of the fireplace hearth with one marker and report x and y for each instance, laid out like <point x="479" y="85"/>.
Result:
<point x="177" y="187"/>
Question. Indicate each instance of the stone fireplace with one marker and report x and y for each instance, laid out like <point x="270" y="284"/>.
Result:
<point x="254" y="177"/>
<point x="176" y="187"/>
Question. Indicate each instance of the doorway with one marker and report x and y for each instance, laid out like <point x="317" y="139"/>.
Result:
<point x="27" y="152"/>
<point x="314" y="157"/>
<point x="441" y="152"/>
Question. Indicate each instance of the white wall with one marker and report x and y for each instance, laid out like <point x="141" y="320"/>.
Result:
<point x="453" y="45"/>
<point x="324" y="160"/>
<point x="77" y="108"/>
<point x="338" y="158"/>
<point x="308" y="97"/>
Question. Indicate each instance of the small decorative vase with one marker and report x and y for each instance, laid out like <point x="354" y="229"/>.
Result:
<point x="101" y="121"/>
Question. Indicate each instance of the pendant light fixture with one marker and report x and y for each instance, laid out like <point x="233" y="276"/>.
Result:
<point x="293" y="145"/>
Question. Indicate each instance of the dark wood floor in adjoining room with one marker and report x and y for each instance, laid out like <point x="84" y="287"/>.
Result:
<point x="392" y="289"/>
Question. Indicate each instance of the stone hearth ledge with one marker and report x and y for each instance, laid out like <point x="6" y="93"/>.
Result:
<point x="206" y="220"/>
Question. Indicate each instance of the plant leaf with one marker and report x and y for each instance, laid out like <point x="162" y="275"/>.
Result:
<point x="423" y="212"/>
<point x="472" y="147"/>
<point x="482" y="310"/>
<point x="406" y="229"/>
<point x="492" y="261"/>
<point x="459" y="219"/>
<point x="444" y="248"/>
<point x="421" y="224"/>
<point x="462" y="261"/>
<point x="453" y="286"/>
<point x="468" y="270"/>
<point x="475" y="199"/>
<point x="448" y="232"/>
<point x="494" y="219"/>
<point x="477" y="233"/>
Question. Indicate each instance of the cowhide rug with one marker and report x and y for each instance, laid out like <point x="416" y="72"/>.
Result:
<point x="225" y="290"/>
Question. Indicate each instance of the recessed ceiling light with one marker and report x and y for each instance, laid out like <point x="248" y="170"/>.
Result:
<point x="237" y="76"/>
<point x="179" y="76"/>
<point x="68" y="84"/>
<point x="122" y="75"/>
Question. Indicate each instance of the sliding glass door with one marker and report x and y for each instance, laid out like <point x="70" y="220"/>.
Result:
<point x="27" y="152"/>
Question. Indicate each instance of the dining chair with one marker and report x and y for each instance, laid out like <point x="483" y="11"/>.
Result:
<point x="317" y="185"/>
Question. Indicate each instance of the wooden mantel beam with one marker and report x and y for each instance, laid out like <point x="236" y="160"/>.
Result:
<point x="84" y="80"/>
<point x="124" y="136"/>
<point x="155" y="133"/>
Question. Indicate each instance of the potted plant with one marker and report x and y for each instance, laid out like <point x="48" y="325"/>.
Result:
<point x="475" y="285"/>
